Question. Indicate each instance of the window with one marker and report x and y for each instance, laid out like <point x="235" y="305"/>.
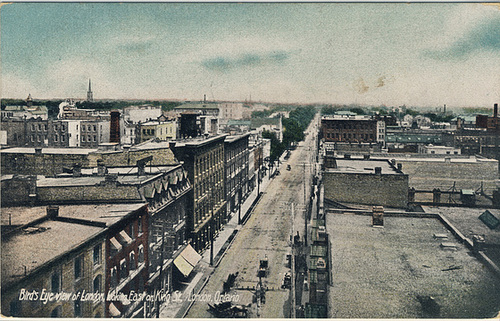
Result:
<point x="89" y="128"/>
<point x="78" y="308"/>
<point x="95" y="128"/>
<point x="141" y="253"/>
<point x="94" y="138"/>
<point x="123" y="269"/>
<point x="139" y="223"/>
<point x="78" y="267"/>
<point x="63" y="138"/>
<point x="114" y="280"/>
<point x="55" y="282"/>
<point x="56" y="138"/>
<point x="97" y="284"/>
<point x="132" y="260"/>
<point x="97" y="254"/>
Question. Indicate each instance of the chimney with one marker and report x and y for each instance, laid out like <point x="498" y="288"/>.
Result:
<point x="52" y="212"/>
<point x="378" y="170"/>
<point x="77" y="170"/>
<point x="436" y="195"/>
<point x="171" y="145"/>
<point x="38" y="151"/>
<point x="377" y="216"/>
<point x="204" y="98"/>
<point x="400" y="167"/>
<point x="111" y="178"/>
<point x="495" y="110"/>
<point x="366" y="156"/>
<point x="114" y="134"/>
<point x="347" y="156"/>
<point x="393" y="162"/>
<point x="141" y="168"/>
<point x="101" y="168"/>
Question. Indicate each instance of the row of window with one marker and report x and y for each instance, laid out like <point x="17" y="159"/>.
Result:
<point x="126" y="265"/>
<point x="350" y="136"/>
<point x="44" y="127"/>
<point x="344" y="125"/>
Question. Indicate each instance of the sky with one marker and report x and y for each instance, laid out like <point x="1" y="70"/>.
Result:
<point x="393" y="54"/>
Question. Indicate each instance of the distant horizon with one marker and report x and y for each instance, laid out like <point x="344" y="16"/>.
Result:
<point x="250" y="102"/>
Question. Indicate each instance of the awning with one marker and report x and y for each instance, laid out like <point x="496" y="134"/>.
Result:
<point x="125" y="237"/>
<point x="115" y="244"/>
<point x="187" y="260"/>
<point x="184" y="267"/>
<point x="113" y="310"/>
<point x="191" y="255"/>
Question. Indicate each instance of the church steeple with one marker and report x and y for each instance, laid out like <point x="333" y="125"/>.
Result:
<point x="90" y="95"/>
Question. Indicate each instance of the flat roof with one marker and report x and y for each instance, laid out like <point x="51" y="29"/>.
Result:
<point x="379" y="272"/>
<point x="49" y="150"/>
<point x="30" y="251"/>
<point x="90" y="180"/>
<point x="467" y="221"/>
<point x="357" y="166"/>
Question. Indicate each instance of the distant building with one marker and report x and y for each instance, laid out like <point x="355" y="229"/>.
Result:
<point x="68" y="110"/>
<point x="142" y="113"/>
<point x="161" y="130"/>
<point x="25" y="112"/>
<point x="438" y="150"/>
<point x="352" y="129"/>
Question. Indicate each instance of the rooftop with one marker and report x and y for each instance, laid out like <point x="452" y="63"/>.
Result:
<point x="31" y="150"/>
<point x="24" y="252"/>
<point x="467" y="221"/>
<point x="357" y="166"/>
<point x="27" y="250"/>
<point x="379" y="272"/>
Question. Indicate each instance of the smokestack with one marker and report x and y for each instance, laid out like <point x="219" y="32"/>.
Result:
<point x="495" y="110"/>
<point x="378" y="170"/>
<point x="204" y="98"/>
<point x="114" y="134"/>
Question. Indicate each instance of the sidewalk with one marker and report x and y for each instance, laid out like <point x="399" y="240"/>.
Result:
<point x="203" y="270"/>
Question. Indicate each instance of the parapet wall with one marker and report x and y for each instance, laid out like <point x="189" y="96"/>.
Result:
<point x="371" y="189"/>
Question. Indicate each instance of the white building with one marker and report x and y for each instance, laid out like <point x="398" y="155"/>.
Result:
<point x="143" y="113"/>
<point x="438" y="150"/>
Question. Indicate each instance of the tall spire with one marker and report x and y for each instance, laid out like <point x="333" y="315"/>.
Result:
<point x="90" y="95"/>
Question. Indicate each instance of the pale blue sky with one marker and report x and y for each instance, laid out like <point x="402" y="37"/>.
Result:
<point x="393" y="54"/>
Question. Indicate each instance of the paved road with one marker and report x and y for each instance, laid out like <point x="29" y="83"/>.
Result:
<point x="266" y="234"/>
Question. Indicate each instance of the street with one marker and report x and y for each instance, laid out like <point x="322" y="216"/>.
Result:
<point x="266" y="234"/>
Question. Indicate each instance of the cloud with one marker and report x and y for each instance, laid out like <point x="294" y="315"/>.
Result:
<point x="484" y="37"/>
<point x="227" y="63"/>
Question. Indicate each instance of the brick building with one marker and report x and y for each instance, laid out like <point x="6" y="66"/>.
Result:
<point x="204" y="161"/>
<point x="352" y="129"/>
<point x="365" y="181"/>
<point x="236" y="170"/>
<point x="62" y="251"/>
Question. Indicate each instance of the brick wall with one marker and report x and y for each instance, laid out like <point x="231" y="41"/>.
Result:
<point x="385" y="190"/>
